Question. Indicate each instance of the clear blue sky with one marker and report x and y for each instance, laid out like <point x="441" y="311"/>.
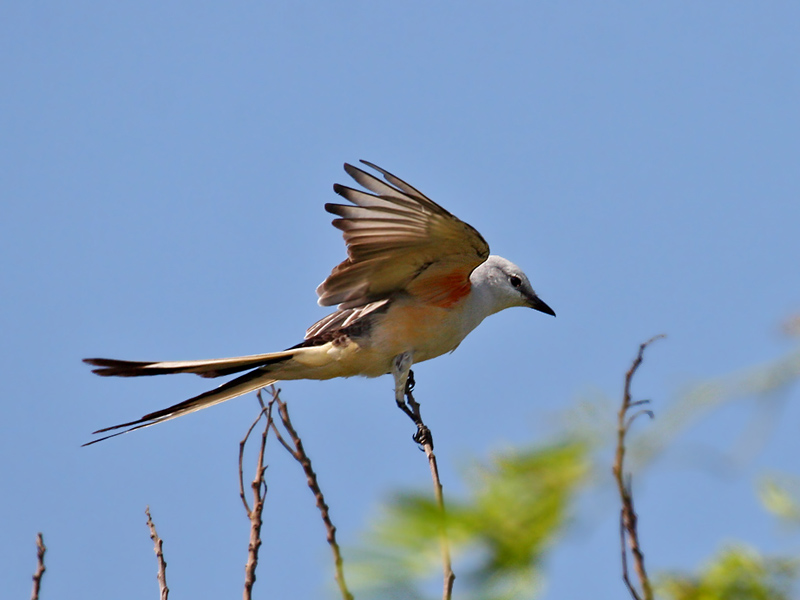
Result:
<point x="163" y="168"/>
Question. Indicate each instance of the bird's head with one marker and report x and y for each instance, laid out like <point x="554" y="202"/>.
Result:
<point x="505" y="285"/>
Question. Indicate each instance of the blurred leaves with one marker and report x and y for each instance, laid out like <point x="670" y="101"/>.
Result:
<point x="791" y="326"/>
<point x="763" y="383"/>
<point x="520" y="501"/>
<point x="780" y="495"/>
<point x="737" y="573"/>
<point x="517" y="505"/>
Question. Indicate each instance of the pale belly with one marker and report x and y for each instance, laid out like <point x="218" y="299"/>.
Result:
<point x="424" y="331"/>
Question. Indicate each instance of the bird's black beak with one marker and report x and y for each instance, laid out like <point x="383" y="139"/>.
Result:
<point x="537" y="303"/>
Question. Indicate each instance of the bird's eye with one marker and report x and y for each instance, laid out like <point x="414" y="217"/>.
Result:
<point x="515" y="281"/>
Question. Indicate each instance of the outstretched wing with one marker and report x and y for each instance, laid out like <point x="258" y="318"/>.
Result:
<point x="398" y="240"/>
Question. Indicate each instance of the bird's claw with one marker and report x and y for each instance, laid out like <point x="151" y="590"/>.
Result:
<point x="410" y="383"/>
<point x="423" y="435"/>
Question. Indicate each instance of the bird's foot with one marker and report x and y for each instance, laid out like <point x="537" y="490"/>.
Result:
<point x="410" y="383"/>
<point x="404" y="386"/>
<point x="423" y="435"/>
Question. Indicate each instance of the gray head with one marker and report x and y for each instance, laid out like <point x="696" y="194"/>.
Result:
<point x="503" y="285"/>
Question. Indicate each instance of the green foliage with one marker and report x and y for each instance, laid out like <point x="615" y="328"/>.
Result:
<point x="517" y="504"/>
<point x="780" y="495"/>
<point x="737" y="573"/>
<point x="520" y="501"/>
<point x="756" y="385"/>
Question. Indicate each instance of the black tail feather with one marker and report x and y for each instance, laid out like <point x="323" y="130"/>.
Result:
<point x="231" y="389"/>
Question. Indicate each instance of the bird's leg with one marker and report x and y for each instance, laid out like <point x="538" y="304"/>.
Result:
<point x="403" y="386"/>
<point x="401" y="371"/>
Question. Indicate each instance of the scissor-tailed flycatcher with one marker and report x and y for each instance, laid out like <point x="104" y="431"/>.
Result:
<point x="415" y="282"/>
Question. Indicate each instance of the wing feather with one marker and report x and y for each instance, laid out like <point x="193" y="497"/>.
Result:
<point x="398" y="240"/>
<point x="398" y="183"/>
<point x="342" y="319"/>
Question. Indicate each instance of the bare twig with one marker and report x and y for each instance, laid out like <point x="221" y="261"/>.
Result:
<point x="268" y="411"/>
<point x="259" y="489"/>
<point x="628" y="520"/>
<point x="298" y="453"/>
<point x="162" y="564"/>
<point x="424" y="437"/>
<point x="40" y="569"/>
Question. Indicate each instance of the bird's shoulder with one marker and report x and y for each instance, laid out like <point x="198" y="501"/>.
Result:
<point x="344" y="323"/>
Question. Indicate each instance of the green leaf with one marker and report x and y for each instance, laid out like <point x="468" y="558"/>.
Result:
<point x="516" y="506"/>
<point x="737" y="573"/>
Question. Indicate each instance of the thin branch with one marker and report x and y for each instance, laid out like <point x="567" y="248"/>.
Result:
<point x="241" y="451"/>
<point x="299" y="454"/>
<point x="284" y="443"/>
<point x="638" y="414"/>
<point x="425" y="438"/>
<point x="259" y="490"/>
<point x="628" y="518"/>
<point x="162" y="564"/>
<point x="40" y="569"/>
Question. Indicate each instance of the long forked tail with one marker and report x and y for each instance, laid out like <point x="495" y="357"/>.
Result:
<point x="260" y="377"/>
<point x="215" y="367"/>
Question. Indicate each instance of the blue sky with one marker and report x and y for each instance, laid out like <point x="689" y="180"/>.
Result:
<point x="162" y="175"/>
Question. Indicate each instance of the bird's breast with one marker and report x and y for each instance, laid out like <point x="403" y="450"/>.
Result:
<point x="426" y="330"/>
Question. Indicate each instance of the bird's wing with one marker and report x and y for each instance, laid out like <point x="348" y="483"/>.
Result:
<point x="342" y="319"/>
<point x="398" y="240"/>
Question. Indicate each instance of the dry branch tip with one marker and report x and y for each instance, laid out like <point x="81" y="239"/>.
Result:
<point x="40" y="568"/>
<point x="158" y="545"/>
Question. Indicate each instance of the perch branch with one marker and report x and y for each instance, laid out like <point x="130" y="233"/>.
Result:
<point x="425" y="439"/>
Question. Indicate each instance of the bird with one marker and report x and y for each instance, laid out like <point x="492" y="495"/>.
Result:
<point x="416" y="281"/>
